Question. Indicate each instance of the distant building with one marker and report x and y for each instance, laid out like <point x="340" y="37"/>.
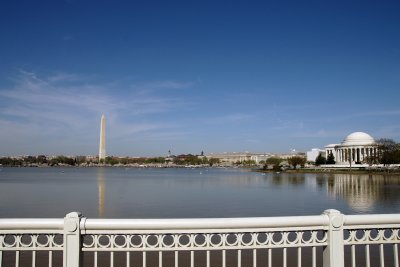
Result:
<point x="314" y="153"/>
<point x="170" y="157"/>
<point x="289" y="155"/>
<point x="90" y="157"/>
<point x="233" y="157"/>
<point x="355" y="148"/>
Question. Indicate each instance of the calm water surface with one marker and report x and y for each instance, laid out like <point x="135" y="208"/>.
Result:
<point x="178" y="193"/>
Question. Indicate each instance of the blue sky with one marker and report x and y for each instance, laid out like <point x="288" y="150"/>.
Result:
<point x="187" y="76"/>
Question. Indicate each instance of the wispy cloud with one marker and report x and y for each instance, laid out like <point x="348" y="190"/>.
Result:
<point x="168" y="85"/>
<point x="335" y="136"/>
<point x="66" y="105"/>
<point x="164" y="85"/>
<point x="65" y="77"/>
<point x="388" y="131"/>
<point x="332" y="118"/>
<point x="230" y="118"/>
<point x="33" y="98"/>
<point x="287" y="125"/>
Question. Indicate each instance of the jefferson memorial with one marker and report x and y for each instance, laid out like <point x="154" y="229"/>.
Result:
<point x="355" y="148"/>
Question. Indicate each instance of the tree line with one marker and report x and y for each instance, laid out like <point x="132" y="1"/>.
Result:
<point x="82" y="160"/>
<point x="277" y="164"/>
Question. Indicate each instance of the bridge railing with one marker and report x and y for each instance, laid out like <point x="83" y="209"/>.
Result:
<point x="330" y="239"/>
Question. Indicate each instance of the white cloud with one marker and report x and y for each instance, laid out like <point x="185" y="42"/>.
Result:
<point x="62" y="77"/>
<point x="230" y="118"/>
<point x="165" y="84"/>
<point x="69" y="106"/>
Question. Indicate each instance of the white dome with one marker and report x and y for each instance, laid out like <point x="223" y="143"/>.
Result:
<point x="357" y="139"/>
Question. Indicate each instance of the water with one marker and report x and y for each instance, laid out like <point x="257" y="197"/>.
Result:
<point x="189" y="193"/>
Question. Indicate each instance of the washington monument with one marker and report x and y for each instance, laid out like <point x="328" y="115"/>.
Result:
<point x="102" y="146"/>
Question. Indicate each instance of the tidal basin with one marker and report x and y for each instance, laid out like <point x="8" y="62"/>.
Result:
<point x="293" y="226"/>
<point x="190" y="193"/>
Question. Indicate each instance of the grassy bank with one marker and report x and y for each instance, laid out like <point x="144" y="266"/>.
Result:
<point x="338" y="171"/>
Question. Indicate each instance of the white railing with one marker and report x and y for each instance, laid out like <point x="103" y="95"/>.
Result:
<point x="330" y="240"/>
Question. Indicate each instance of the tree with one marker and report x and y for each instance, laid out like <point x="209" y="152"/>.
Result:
<point x="370" y="160"/>
<point x="80" y="160"/>
<point x="213" y="161"/>
<point x="320" y="160"/>
<point x="157" y="160"/>
<point x="297" y="160"/>
<point x="275" y="162"/>
<point x="42" y="159"/>
<point x="330" y="159"/>
<point x="248" y="162"/>
<point x="62" y="160"/>
<point x="111" y="160"/>
<point x="388" y="151"/>
<point x="7" y="161"/>
<point x="189" y="159"/>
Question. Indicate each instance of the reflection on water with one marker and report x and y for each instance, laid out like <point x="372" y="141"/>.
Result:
<point x="293" y="179"/>
<point x="362" y="192"/>
<point x="102" y="189"/>
<point x="191" y="193"/>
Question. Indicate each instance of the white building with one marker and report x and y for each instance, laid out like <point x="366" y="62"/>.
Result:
<point x="233" y="157"/>
<point x="355" y="148"/>
<point x="313" y="154"/>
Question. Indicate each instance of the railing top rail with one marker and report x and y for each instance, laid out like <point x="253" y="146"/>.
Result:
<point x="31" y="224"/>
<point x="371" y="219"/>
<point x="204" y="223"/>
<point x="200" y="223"/>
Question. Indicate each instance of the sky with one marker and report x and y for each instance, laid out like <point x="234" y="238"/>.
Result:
<point x="192" y="76"/>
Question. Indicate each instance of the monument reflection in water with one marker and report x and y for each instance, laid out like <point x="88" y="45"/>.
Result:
<point x="102" y="190"/>
<point x="362" y="192"/>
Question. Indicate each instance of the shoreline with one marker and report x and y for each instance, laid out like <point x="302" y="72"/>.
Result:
<point x="170" y="166"/>
<point x="337" y="171"/>
<point x="134" y="166"/>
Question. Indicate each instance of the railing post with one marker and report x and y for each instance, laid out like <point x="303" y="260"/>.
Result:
<point x="333" y="255"/>
<point x="72" y="240"/>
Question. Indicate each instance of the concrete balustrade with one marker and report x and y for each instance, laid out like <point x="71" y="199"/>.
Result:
<point x="323" y="236"/>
